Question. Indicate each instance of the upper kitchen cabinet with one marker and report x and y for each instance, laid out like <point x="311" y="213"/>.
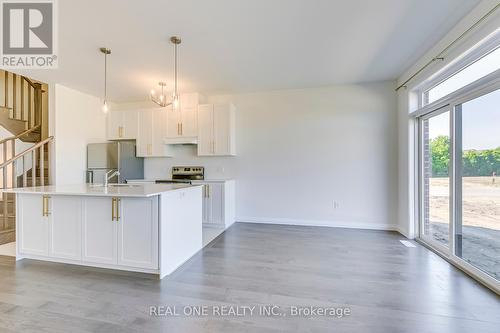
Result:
<point x="151" y="133"/>
<point x="183" y="120"/>
<point x="122" y="125"/>
<point x="216" y="127"/>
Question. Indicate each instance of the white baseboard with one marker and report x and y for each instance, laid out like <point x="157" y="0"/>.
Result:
<point x="402" y="232"/>
<point x="318" y="223"/>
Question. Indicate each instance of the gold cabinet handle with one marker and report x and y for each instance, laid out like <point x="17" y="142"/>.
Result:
<point x="120" y="131"/>
<point x="113" y="204"/>
<point x="208" y="191"/>
<point x="213" y="147"/>
<point x="181" y="128"/>
<point x="45" y="205"/>
<point x="178" y="129"/>
<point x="117" y="202"/>
<point x="150" y="149"/>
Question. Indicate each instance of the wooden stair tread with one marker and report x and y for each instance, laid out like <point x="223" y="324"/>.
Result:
<point x="15" y="126"/>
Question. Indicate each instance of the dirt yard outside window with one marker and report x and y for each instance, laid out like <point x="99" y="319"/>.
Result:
<point x="481" y="219"/>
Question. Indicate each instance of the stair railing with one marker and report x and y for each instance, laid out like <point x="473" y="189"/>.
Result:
<point x="8" y="145"/>
<point x="32" y="151"/>
<point x="10" y="173"/>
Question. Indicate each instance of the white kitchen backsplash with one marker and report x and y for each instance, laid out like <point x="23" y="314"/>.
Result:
<point x="186" y="155"/>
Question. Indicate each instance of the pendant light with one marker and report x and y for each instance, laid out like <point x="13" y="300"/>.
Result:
<point x="106" y="52"/>
<point x="162" y="100"/>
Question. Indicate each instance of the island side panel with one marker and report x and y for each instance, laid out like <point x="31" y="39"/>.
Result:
<point x="180" y="227"/>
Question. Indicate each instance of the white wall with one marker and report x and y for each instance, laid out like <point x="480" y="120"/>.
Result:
<point x="407" y="223"/>
<point x="299" y="150"/>
<point x="78" y="120"/>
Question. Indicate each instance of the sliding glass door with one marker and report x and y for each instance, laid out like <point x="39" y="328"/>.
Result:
<point x="477" y="194"/>
<point x="435" y="177"/>
<point x="459" y="181"/>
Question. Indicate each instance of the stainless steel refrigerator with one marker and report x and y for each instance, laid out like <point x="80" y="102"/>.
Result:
<point x="103" y="157"/>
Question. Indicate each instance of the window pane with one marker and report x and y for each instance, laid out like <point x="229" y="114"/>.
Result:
<point x="436" y="181"/>
<point x="478" y="217"/>
<point x="473" y="72"/>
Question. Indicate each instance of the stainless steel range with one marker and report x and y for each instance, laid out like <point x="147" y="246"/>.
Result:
<point x="184" y="174"/>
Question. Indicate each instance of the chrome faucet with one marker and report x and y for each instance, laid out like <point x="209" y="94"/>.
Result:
<point x="107" y="177"/>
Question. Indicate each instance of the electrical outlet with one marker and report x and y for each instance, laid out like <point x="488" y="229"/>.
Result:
<point x="335" y="204"/>
<point x="220" y="169"/>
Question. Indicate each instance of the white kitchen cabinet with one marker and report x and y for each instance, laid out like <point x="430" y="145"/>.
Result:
<point x="65" y="227"/>
<point x="147" y="229"/>
<point x="144" y="141"/>
<point x="218" y="203"/>
<point x="183" y="120"/>
<point x="182" y="124"/>
<point x="152" y="130"/>
<point x="99" y="231"/>
<point x="189" y="122"/>
<point x="205" y="129"/>
<point x="33" y="224"/>
<point x="138" y="232"/>
<point x="216" y="130"/>
<point x="122" y="125"/>
<point x="213" y="203"/>
<point x="121" y="231"/>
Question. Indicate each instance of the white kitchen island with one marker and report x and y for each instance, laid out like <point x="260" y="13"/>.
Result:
<point x="151" y="228"/>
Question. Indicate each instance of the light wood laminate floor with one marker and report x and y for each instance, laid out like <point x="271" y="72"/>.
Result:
<point x="387" y="287"/>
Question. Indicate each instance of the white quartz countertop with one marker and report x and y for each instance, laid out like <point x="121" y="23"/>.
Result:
<point x="112" y="190"/>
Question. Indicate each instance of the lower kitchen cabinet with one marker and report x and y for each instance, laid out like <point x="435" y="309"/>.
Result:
<point x="88" y="229"/>
<point x="121" y="231"/>
<point x="65" y="223"/>
<point x="50" y="226"/>
<point x="99" y="231"/>
<point x="33" y="224"/>
<point x="218" y="203"/>
<point x="138" y="232"/>
<point x="213" y="204"/>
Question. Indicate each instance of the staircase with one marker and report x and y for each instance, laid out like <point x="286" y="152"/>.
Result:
<point x="24" y="156"/>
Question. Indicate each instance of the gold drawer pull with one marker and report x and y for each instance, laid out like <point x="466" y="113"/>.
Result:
<point x="113" y="203"/>
<point x="117" y="209"/>
<point x="45" y="205"/>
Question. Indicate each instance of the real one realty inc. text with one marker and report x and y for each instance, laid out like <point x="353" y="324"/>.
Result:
<point x="248" y="310"/>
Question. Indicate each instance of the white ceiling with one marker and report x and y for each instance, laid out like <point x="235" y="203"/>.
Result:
<point x="243" y="45"/>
